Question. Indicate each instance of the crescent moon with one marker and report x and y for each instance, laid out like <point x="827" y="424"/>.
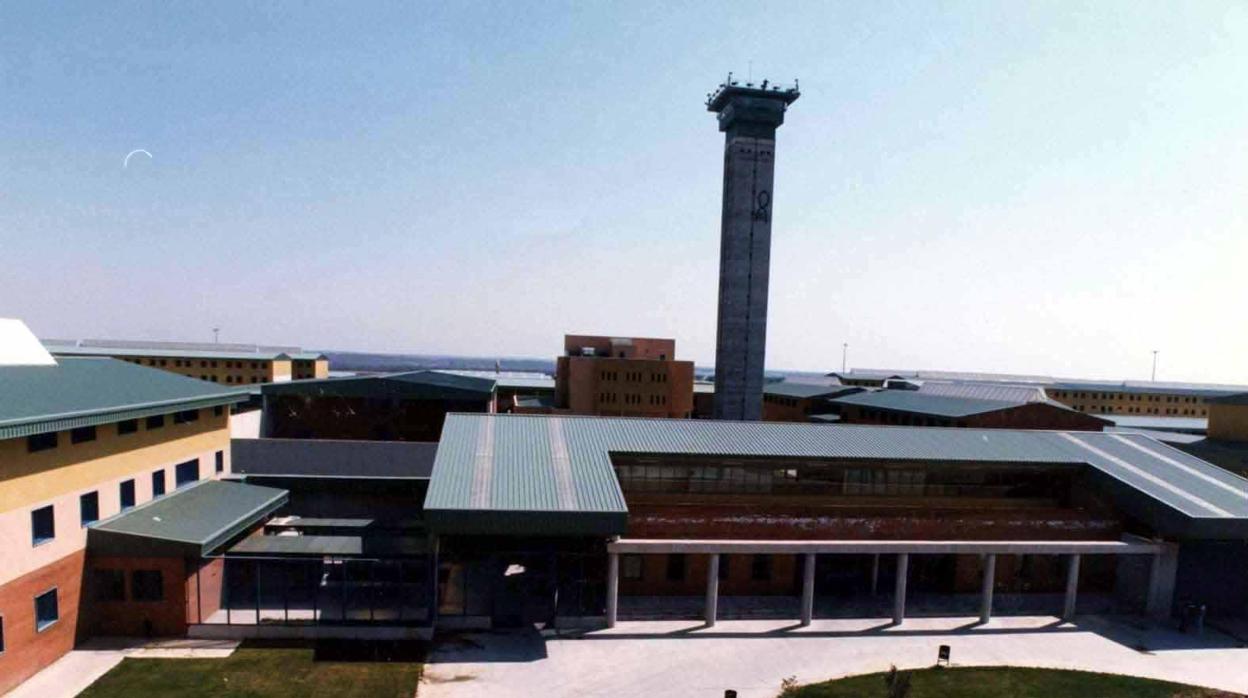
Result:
<point x="126" y="162"/>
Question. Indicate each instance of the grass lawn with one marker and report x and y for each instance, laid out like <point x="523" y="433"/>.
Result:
<point x="994" y="682"/>
<point x="271" y="670"/>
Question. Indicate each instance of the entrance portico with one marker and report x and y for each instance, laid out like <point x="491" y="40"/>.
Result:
<point x="1161" y="581"/>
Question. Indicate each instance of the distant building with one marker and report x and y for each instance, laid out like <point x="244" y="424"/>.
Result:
<point x="1155" y="398"/>
<point x="916" y="408"/>
<point x="793" y="401"/>
<point x="407" y="406"/>
<point x="622" y="376"/>
<point x="83" y="439"/>
<point x="230" y="364"/>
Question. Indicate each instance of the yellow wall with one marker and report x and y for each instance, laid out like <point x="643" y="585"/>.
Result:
<point x="227" y="371"/>
<point x="1109" y="402"/>
<point x="310" y="368"/>
<point x="1228" y="422"/>
<point x="26" y="478"/>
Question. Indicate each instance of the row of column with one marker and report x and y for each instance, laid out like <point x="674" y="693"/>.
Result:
<point x="711" y="609"/>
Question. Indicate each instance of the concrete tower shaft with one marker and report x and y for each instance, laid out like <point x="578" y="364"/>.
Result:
<point x="748" y="117"/>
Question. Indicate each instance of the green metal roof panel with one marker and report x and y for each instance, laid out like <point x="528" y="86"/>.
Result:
<point x="84" y="391"/>
<point x="417" y="385"/>
<point x="926" y="403"/>
<point x="527" y="466"/>
<point x="803" y="390"/>
<point x="205" y="514"/>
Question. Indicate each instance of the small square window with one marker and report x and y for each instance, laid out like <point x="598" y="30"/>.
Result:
<point x="146" y="585"/>
<point x="46" y="610"/>
<point x="81" y="435"/>
<point x="42" y="525"/>
<point x="89" y="507"/>
<point x="156" y="421"/>
<point x="126" y="490"/>
<point x="186" y="473"/>
<point x="217" y="411"/>
<point x="41" y="442"/>
<point x="108" y="585"/>
<point x="185" y="416"/>
<point x="127" y="426"/>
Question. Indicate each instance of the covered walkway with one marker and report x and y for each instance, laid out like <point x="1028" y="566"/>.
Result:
<point x="1160" y="590"/>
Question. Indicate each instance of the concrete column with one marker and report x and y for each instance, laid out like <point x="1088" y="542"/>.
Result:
<point x="712" y="589"/>
<point x="990" y="578"/>
<point x="1072" y="588"/>
<point x="613" y="587"/>
<point x="808" y="589"/>
<point x="1161" y="582"/>
<point x="899" y="590"/>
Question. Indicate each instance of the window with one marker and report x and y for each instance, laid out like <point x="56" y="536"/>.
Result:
<point x="89" y="507"/>
<point x="219" y="464"/>
<point x="127" y="494"/>
<point x="81" y="435"/>
<point x="42" y="525"/>
<point x="158" y="483"/>
<point x="631" y="567"/>
<point x="1" y="636"/>
<point x="108" y="585"/>
<point x="217" y="411"/>
<point x="156" y="421"/>
<point x="46" y="611"/>
<point x="185" y="416"/>
<point x="675" y="568"/>
<point x="40" y="442"/>
<point x="760" y="568"/>
<point x="127" y="426"/>
<point x="146" y="585"/>
<point x="186" y="473"/>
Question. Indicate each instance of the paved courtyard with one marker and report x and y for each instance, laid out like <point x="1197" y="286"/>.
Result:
<point x="681" y="659"/>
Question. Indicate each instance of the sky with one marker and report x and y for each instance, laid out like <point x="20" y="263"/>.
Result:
<point x="1049" y="187"/>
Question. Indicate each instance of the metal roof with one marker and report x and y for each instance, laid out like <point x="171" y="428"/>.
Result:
<point x="308" y="356"/>
<point x="879" y="374"/>
<point x="332" y="458"/>
<point x="985" y="391"/>
<point x="196" y="518"/>
<point x="1053" y="382"/>
<point x="514" y="380"/>
<point x="1148" y="387"/>
<point x="61" y="350"/>
<point x="319" y="546"/>
<point x="927" y="403"/>
<point x="526" y="473"/>
<point x="1190" y="425"/>
<point x="411" y="385"/>
<point x="80" y="392"/>
<point x="800" y="390"/>
<point x="1238" y="398"/>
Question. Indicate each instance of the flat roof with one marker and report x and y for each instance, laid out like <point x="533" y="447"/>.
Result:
<point x="319" y="546"/>
<point x="1127" y="386"/>
<point x="530" y="473"/>
<point x="78" y="392"/>
<point x="198" y="517"/>
<point x="333" y="458"/>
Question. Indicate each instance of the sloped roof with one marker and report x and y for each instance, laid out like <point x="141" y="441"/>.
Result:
<point x="412" y="385"/>
<point x="529" y="473"/>
<point x="1232" y="399"/>
<point x="802" y="390"/>
<point x="985" y="391"/>
<point x="918" y="402"/>
<point x="80" y="392"/>
<point x="199" y="518"/>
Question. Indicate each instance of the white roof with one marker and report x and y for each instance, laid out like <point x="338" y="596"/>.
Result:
<point x="20" y="347"/>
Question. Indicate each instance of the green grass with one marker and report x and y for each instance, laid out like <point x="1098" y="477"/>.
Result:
<point x="994" y="682"/>
<point x="267" y="671"/>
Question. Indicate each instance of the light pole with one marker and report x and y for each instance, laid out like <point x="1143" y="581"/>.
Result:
<point x="215" y="339"/>
<point x="1155" y="365"/>
<point x="844" y="354"/>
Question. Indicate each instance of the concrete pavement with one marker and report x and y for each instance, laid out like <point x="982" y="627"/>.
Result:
<point x="683" y="659"/>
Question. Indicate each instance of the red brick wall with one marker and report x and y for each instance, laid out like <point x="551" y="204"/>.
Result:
<point x="28" y="651"/>
<point x="738" y="582"/>
<point x="203" y="589"/>
<point x="129" y="617"/>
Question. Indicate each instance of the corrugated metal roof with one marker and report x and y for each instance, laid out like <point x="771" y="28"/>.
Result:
<point x="1191" y="425"/>
<point x="60" y="350"/>
<point x="1148" y="387"/>
<point x="504" y="470"/>
<point x="85" y="391"/>
<point x="985" y="391"/>
<point x="926" y="403"/>
<point x="1126" y="386"/>
<point x="317" y="546"/>
<point x="203" y="515"/>
<point x="309" y="356"/>
<point x="800" y="390"/>
<point x="332" y="458"/>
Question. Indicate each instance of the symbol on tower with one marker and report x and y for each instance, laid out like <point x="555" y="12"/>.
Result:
<point x="762" y="210"/>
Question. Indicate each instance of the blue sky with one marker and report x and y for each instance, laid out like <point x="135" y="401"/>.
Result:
<point x="1028" y="187"/>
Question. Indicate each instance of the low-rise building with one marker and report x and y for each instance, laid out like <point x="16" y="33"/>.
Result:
<point x="918" y="408"/>
<point x="228" y="367"/>
<point x="622" y="376"/>
<point x="794" y="401"/>
<point x="83" y="439"/>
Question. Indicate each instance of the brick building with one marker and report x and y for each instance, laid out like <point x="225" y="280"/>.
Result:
<point x="622" y="376"/>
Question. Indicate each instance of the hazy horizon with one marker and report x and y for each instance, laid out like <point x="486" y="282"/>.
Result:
<point x="1049" y="189"/>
